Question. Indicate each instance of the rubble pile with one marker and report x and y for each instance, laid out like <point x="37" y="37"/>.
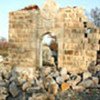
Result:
<point x="45" y="83"/>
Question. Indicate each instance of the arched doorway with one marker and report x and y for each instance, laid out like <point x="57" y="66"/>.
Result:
<point x="49" y="50"/>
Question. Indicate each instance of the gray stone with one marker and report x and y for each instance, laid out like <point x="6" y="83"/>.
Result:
<point x="59" y="79"/>
<point x="63" y="71"/>
<point x="46" y="55"/>
<point x="26" y="85"/>
<point x="2" y="83"/>
<point x="86" y="83"/>
<point x="91" y="67"/>
<point x="48" y="81"/>
<point x="39" y="96"/>
<point x="73" y="76"/>
<point x="21" y="80"/>
<point x="36" y="89"/>
<point x="98" y="74"/>
<point x="13" y="89"/>
<point x="14" y="73"/>
<point x="3" y="93"/>
<point x="39" y="83"/>
<point x="97" y="68"/>
<point x="71" y="82"/>
<point x="95" y="80"/>
<point x="86" y="75"/>
<point x="13" y="79"/>
<point x="1" y="77"/>
<point x="65" y="77"/>
<point x="53" y="88"/>
<point x="47" y="70"/>
<point x="54" y="74"/>
<point x="1" y="58"/>
<point x="77" y="80"/>
<point x="74" y="80"/>
<point x="6" y="73"/>
<point x="78" y="88"/>
<point x="21" y="96"/>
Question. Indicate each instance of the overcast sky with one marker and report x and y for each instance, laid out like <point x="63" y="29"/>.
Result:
<point x="7" y="6"/>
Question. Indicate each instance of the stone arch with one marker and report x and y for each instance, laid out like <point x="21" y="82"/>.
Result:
<point x="51" y="46"/>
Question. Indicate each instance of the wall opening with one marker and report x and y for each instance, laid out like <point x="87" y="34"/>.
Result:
<point x="49" y="50"/>
<point x="98" y="57"/>
<point x="85" y="35"/>
<point x="85" y="24"/>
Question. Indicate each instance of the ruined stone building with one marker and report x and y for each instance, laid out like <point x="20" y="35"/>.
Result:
<point x="76" y="38"/>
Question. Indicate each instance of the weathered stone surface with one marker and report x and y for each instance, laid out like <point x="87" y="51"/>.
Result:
<point x="77" y="80"/>
<point x="26" y="85"/>
<point x="3" y="93"/>
<point x="59" y="80"/>
<point x="36" y="89"/>
<point x="18" y="86"/>
<point x="21" y="81"/>
<point x="46" y="55"/>
<point x="86" y="75"/>
<point x="95" y="80"/>
<point x="63" y="71"/>
<point x="40" y="96"/>
<point x="74" y="80"/>
<point x="47" y="70"/>
<point x="13" y="89"/>
<point x="53" y="89"/>
<point x="98" y="74"/>
<point x="65" y="25"/>
<point x="25" y="73"/>
<point x="65" y="77"/>
<point x="86" y="83"/>
<point x="1" y="59"/>
<point x="78" y="88"/>
<point x="65" y="86"/>
<point x="3" y="84"/>
<point x="48" y="81"/>
<point x="97" y="68"/>
<point x="28" y="54"/>
<point x="54" y="74"/>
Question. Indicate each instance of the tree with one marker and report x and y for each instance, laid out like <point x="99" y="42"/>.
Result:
<point x="2" y="39"/>
<point x="95" y="15"/>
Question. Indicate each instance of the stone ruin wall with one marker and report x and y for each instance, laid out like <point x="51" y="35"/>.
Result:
<point x="22" y="29"/>
<point x="78" y="51"/>
<point x="75" y="51"/>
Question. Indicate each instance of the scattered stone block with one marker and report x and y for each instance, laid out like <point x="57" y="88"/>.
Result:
<point x="13" y="89"/>
<point x="1" y="59"/>
<point x="78" y="88"/>
<point x="47" y="70"/>
<point x="53" y="89"/>
<point x="3" y="93"/>
<point x="65" y="86"/>
<point x="26" y="85"/>
<point x="95" y="80"/>
<point x="59" y="80"/>
<point x="86" y="83"/>
<point x="63" y="71"/>
<point x="65" y="77"/>
<point x="86" y="75"/>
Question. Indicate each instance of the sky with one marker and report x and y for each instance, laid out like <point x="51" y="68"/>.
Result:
<point x="47" y="39"/>
<point x="7" y="6"/>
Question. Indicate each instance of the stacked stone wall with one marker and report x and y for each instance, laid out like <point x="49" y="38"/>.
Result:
<point x="76" y="49"/>
<point x="22" y="25"/>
